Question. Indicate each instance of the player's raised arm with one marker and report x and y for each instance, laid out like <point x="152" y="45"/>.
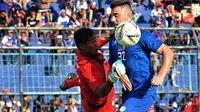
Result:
<point x="168" y="56"/>
<point x="101" y="41"/>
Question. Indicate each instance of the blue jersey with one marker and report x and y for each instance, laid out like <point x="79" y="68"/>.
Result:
<point x="138" y="64"/>
<point x="162" y="104"/>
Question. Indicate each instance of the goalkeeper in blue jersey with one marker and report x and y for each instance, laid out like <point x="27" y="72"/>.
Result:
<point x="137" y="61"/>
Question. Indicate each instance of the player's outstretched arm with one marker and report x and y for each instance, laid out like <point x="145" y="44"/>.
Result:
<point x="101" y="41"/>
<point x="168" y="56"/>
<point x="70" y="81"/>
<point x="104" y="89"/>
<point x="108" y="35"/>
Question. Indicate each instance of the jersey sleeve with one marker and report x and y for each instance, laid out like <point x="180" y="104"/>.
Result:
<point x="89" y="75"/>
<point x="111" y="59"/>
<point x="149" y="41"/>
<point x="4" y="40"/>
<point x="100" y="42"/>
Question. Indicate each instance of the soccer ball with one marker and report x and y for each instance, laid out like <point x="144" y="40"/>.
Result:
<point x="127" y="34"/>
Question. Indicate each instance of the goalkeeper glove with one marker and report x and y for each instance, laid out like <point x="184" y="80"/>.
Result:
<point x="118" y="69"/>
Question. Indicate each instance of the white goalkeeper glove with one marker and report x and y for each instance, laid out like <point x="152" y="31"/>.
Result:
<point x="118" y="69"/>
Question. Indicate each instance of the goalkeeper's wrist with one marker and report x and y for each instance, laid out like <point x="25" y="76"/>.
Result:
<point x="112" y="78"/>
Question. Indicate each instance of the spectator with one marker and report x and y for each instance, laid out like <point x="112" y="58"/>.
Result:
<point x="18" y="3"/>
<point x="27" y="102"/>
<point x="196" y="24"/>
<point x="69" y="42"/>
<point x="59" y="57"/>
<point x="184" y="101"/>
<point x="64" y="4"/>
<point x="177" y="23"/>
<point x="172" y="74"/>
<point x="71" y="7"/>
<point x="155" y="63"/>
<point x="39" y="104"/>
<point x="169" y="18"/>
<point x="56" y="104"/>
<point x="92" y="8"/>
<point x="4" y="21"/>
<point x="82" y="18"/>
<point x="154" y="15"/>
<point x="5" y="4"/>
<point x="13" y="105"/>
<point x="9" y="41"/>
<point x="32" y="22"/>
<point x="71" y="104"/>
<point x="43" y="22"/>
<point x="18" y="20"/>
<point x="2" y="103"/>
<point x="5" y="98"/>
<point x="174" y="104"/>
<point x="179" y="5"/>
<point x="158" y="33"/>
<point x="32" y="4"/>
<point x="103" y="24"/>
<point x="24" y="41"/>
<point x="73" y="22"/>
<point x="139" y="2"/>
<point x="63" y="19"/>
<point x="161" y="104"/>
<point x="171" y="39"/>
<point x="81" y="4"/>
<point x="187" y="40"/>
<point x="5" y="109"/>
<point x="56" y="40"/>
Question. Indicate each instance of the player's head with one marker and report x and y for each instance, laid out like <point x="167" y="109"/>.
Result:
<point x="86" y="42"/>
<point x="121" y="11"/>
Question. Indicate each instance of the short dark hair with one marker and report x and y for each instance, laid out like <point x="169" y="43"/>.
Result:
<point x="197" y="19"/>
<point x="116" y="3"/>
<point x="82" y="35"/>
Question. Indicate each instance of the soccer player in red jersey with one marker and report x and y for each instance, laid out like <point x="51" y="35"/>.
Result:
<point x="95" y="76"/>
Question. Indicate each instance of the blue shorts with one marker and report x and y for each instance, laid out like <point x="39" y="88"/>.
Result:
<point x="133" y="104"/>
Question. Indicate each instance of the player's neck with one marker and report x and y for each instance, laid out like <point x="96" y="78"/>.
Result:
<point x="88" y="56"/>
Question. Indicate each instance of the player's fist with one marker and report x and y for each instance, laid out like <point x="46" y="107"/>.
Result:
<point x="157" y="80"/>
<point x="118" y="69"/>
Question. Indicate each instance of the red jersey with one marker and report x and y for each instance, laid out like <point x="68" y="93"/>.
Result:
<point x="93" y="73"/>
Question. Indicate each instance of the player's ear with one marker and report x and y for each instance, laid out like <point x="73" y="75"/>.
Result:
<point x="82" y="46"/>
<point x="129" y="15"/>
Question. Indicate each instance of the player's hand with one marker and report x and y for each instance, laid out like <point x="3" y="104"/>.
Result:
<point x="157" y="80"/>
<point x="126" y="84"/>
<point x="119" y="72"/>
<point x="118" y="69"/>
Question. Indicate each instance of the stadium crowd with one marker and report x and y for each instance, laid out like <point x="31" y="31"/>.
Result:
<point x="89" y="13"/>
<point x="41" y="103"/>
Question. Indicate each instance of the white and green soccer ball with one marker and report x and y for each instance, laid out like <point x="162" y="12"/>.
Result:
<point x="127" y="34"/>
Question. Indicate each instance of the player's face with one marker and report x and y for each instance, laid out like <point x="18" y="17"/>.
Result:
<point x="91" y="48"/>
<point x="118" y="15"/>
